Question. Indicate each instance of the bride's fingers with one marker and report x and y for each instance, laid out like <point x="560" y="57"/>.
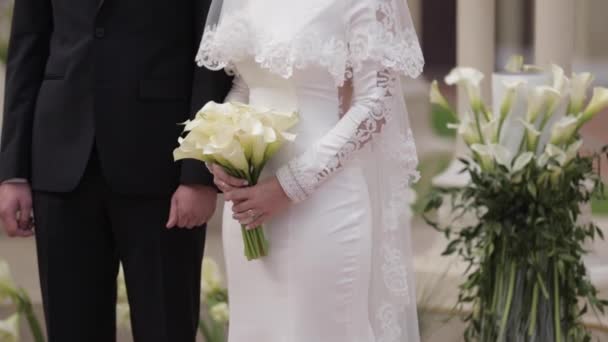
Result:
<point x="247" y="216"/>
<point x="224" y="177"/>
<point x="243" y="207"/>
<point x="222" y="185"/>
<point x="246" y="221"/>
<point x="238" y="195"/>
<point x="257" y="222"/>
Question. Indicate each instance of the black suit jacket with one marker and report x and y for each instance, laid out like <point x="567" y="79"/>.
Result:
<point x="115" y="74"/>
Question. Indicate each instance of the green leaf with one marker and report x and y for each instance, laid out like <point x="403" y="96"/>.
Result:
<point x="532" y="189"/>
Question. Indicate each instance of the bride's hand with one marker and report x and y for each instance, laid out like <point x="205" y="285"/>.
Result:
<point x="223" y="180"/>
<point x="255" y="205"/>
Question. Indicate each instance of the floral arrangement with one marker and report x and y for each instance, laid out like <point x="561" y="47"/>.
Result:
<point x="11" y="294"/>
<point x="214" y="297"/>
<point x="241" y="139"/>
<point x="523" y="241"/>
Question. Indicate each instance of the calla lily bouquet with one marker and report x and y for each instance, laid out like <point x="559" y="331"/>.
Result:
<point x="524" y="247"/>
<point x="242" y="139"/>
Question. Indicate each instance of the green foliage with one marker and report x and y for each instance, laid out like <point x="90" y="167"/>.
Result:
<point x="440" y="118"/>
<point x="524" y="251"/>
<point x="6" y="15"/>
<point x="429" y="168"/>
<point x="600" y="205"/>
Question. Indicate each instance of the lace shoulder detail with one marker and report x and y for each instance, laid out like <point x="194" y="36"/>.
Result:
<point x="341" y="53"/>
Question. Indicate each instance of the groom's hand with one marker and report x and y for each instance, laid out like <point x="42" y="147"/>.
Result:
<point x="16" y="209"/>
<point x="192" y="206"/>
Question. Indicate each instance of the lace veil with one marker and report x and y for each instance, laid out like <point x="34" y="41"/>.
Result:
<point x="317" y="32"/>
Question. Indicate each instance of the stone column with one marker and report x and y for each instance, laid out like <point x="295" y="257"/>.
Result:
<point x="476" y="48"/>
<point x="554" y="26"/>
<point x="510" y="28"/>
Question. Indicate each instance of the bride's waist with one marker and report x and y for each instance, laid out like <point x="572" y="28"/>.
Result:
<point x="309" y="102"/>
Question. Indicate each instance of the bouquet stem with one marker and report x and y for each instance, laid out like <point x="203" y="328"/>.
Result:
<point x="256" y="245"/>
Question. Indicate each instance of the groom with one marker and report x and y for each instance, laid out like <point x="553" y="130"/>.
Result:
<point x="95" y="90"/>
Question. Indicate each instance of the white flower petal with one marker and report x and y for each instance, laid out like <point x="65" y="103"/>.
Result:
<point x="563" y="130"/>
<point x="462" y="75"/>
<point x="502" y="155"/>
<point x="522" y="161"/>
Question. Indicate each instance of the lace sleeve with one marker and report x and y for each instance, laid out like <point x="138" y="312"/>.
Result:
<point x="239" y="91"/>
<point x="366" y="118"/>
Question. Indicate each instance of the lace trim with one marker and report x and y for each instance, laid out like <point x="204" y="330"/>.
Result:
<point x="395" y="272"/>
<point x="404" y="153"/>
<point x="234" y="40"/>
<point x="379" y="115"/>
<point x="290" y="184"/>
<point x="389" y="315"/>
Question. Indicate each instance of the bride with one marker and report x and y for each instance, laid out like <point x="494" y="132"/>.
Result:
<point x="340" y="263"/>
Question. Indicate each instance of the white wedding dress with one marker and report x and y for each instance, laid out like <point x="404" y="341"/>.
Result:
<point x="339" y="266"/>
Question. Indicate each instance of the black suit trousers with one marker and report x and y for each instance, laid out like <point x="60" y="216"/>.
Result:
<point x="81" y="238"/>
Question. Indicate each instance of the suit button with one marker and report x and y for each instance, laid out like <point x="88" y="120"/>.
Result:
<point x="100" y="32"/>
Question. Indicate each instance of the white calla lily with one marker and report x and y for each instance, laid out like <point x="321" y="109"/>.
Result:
<point x="462" y="75"/>
<point x="579" y="87"/>
<point x="281" y="121"/>
<point x="222" y="139"/>
<point x="552" y="99"/>
<point x="467" y="129"/>
<point x="221" y="111"/>
<point x="561" y="156"/>
<point x="501" y="155"/>
<point x="234" y="154"/>
<point x="9" y="329"/>
<point x="598" y="102"/>
<point x="560" y="82"/>
<point x="470" y="79"/>
<point x="532" y="135"/>
<point x="556" y="153"/>
<point x="511" y="91"/>
<point x="572" y="151"/>
<point x="484" y="156"/>
<point x="490" y="131"/>
<point x="542" y="160"/>
<point x="563" y="130"/>
<point x="522" y="161"/>
<point x="251" y="128"/>
<point x="536" y="103"/>
<point x="540" y="100"/>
